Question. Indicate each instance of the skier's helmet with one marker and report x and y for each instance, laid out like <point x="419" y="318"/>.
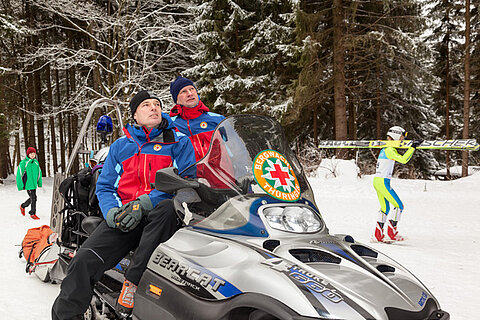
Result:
<point x="396" y="132"/>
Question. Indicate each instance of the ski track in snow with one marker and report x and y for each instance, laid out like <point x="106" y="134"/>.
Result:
<point x="440" y="221"/>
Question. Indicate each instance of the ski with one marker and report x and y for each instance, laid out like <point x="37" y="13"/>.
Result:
<point x="460" y="144"/>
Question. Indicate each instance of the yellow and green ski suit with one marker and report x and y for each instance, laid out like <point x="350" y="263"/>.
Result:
<point x="381" y="181"/>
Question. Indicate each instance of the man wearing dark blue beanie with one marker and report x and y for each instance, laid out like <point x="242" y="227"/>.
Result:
<point x="191" y="116"/>
<point x="177" y="85"/>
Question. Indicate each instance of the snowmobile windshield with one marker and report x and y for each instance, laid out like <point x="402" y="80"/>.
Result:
<point x="249" y="158"/>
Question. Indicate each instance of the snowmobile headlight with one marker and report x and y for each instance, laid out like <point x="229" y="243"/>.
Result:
<point x="292" y="219"/>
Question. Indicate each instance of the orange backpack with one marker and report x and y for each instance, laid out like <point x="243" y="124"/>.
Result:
<point x="36" y="240"/>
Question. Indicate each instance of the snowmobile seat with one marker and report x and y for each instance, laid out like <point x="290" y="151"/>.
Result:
<point x="90" y="223"/>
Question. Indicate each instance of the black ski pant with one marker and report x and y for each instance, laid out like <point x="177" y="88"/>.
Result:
<point x="104" y="249"/>
<point x="32" y="199"/>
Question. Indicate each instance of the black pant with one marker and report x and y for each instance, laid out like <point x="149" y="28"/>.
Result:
<point x="31" y="200"/>
<point x="104" y="249"/>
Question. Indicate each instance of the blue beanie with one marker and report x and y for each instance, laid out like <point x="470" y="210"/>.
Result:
<point x="177" y="85"/>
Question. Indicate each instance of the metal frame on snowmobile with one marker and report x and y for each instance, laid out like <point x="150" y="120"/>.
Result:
<point x="58" y="203"/>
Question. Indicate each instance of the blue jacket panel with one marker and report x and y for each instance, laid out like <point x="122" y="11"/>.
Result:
<point x="199" y="129"/>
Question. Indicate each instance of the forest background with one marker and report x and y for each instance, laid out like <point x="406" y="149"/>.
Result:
<point x="330" y="69"/>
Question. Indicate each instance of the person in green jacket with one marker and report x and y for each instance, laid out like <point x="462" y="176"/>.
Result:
<point x="29" y="177"/>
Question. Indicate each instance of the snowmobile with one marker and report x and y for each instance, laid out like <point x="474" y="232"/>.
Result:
<point x="254" y="246"/>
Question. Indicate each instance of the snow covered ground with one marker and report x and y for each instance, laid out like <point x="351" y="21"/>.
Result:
<point x="441" y="223"/>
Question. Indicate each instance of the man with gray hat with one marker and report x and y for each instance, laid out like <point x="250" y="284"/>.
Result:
<point x="137" y="217"/>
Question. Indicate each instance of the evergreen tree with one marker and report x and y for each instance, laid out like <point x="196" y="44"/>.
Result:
<point x="312" y="114"/>
<point x="386" y="82"/>
<point x="475" y="77"/>
<point x="246" y="57"/>
<point x="446" y="18"/>
<point x="13" y="32"/>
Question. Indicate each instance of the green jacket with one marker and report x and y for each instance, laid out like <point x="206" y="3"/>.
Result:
<point x="29" y="174"/>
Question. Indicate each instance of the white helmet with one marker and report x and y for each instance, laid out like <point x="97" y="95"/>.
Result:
<point x="101" y="155"/>
<point x="396" y="132"/>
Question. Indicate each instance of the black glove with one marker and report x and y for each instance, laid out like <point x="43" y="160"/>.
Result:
<point x="416" y="143"/>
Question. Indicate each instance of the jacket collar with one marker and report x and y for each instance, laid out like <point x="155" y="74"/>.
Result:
<point x="189" y="113"/>
<point x="142" y="134"/>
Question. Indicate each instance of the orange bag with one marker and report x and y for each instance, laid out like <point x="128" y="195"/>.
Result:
<point x="34" y="242"/>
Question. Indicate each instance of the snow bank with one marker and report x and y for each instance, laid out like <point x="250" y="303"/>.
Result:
<point x="345" y="170"/>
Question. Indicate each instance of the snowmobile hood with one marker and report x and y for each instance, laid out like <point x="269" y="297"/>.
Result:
<point x="320" y="276"/>
<point x="358" y="276"/>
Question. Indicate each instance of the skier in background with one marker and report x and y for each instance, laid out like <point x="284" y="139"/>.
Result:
<point x="386" y="195"/>
<point x="29" y="177"/>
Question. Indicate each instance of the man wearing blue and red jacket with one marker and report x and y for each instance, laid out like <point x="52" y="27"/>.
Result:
<point x="137" y="217"/>
<point x="191" y="116"/>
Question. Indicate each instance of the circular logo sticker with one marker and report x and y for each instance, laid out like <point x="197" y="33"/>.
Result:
<point x="157" y="147"/>
<point x="203" y="125"/>
<point x="275" y="176"/>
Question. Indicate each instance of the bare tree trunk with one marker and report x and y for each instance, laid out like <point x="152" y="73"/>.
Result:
<point x="339" y="75"/>
<point x="68" y="134"/>
<point x="30" y="139"/>
<point x="40" y="126"/>
<point x="466" y="96"/>
<point x="17" y="149"/>
<point x="447" y="97"/>
<point x="23" y="114"/>
<point x="74" y="120"/>
<point x="51" y="120"/>
<point x="315" y="126"/>
<point x="352" y="121"/>
<point x="96" y="80"/>
<point x="378" y="109"/>
<point x="48" y="156"/>
<point x="4" y="162"/>
<point x="60" y="123"/>
<point x="63" y="149"/>
<point x="96" y="71"/>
